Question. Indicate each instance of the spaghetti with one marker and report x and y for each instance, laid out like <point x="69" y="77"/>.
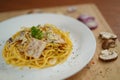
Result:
<point x="38" y="47"/>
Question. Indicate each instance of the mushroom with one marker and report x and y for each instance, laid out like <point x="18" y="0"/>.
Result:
<point x="107" y="55"/>
<point x="107" y="35"/>
<point x="110" y="43"/>
<point x="108" y="40"/>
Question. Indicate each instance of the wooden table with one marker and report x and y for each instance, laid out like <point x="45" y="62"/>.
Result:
<point x="96" y="69"/>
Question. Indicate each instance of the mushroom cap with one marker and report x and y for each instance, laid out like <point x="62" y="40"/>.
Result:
<point x="107" y="55"/>
<point x="107" y="35"/>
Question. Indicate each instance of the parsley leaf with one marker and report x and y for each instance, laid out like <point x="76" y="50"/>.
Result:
<point x="36" y="32"/>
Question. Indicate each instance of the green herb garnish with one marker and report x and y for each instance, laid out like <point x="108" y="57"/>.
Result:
<point x="36" y="32"/>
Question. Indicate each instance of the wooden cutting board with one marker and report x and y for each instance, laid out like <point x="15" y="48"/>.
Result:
<point x="96" y="69"/>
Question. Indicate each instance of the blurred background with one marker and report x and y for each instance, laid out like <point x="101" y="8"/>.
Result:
<point x="8" y="5"/>
<point x="109" y="8"/>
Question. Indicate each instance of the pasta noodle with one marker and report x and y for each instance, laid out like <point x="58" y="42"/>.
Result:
<point x="51" y="47"/>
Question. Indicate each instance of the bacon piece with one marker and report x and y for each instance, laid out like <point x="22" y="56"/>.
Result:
<point x="35" y="48"/>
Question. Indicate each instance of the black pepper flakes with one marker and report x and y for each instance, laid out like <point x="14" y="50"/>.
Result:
<point x="3" y="41"/>
<point x="73" y="57"/>
<point x="73" y="53"/>
<point x="57" y="70"/>
<point x="100" y="71"/>
<point x="88" y="67"/>
<point x="22" y="76"/>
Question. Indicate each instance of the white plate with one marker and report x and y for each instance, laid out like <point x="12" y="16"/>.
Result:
<point x="84" y="46"/>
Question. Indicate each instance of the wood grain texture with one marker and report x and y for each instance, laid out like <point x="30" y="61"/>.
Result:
<point x="96" y="69"/>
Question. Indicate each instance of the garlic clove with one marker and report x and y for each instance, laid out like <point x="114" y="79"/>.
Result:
<point x="52" y="61"/>
<point x="71" y="9"/>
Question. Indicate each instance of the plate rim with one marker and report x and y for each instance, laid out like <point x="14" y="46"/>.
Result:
<point x="12" y="18"/>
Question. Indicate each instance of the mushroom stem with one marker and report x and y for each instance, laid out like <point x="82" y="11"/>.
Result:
<point x="108" y="44"/>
